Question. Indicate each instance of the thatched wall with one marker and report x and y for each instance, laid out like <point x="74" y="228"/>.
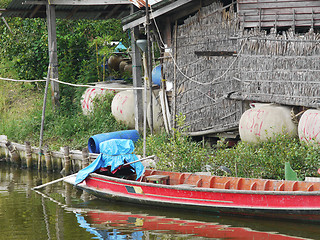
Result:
<point x="281" y="68"/>
<point x="201" y="95"/>
<point x="267" y="67"/>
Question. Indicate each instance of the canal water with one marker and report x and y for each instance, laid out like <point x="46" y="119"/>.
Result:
<point x="60" y="211"/>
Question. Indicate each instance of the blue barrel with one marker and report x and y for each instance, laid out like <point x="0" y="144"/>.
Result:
<point x="156" y="75"/>
<point x="94" y="141"/>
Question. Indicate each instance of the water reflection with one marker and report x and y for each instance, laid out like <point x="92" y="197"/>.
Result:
<point x="130" y="222"/>
<point x="60" y="211"/>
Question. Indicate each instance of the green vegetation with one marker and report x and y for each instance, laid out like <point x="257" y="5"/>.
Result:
<point x="20" y="118"/>
<point x="4" y="3"/>
<point x="263" y="160"/>
<point x="83" y="47"/>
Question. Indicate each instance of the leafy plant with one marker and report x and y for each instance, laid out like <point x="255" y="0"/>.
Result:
<point x="176" y="152"/>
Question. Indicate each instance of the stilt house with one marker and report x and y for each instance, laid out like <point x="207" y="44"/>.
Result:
<point x="222" y="55"/>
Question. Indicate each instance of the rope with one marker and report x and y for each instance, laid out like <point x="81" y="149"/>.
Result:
<point x="72" y="84"/>
<point x="15" y="80"/>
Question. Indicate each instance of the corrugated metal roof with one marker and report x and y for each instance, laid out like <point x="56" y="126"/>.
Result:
<point x="280" y="13"/>
<point x="16" y="8"/>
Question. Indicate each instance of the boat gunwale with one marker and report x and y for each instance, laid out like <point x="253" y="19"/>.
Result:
<point x="204" y="189"/>
<point x="137" y="199"/>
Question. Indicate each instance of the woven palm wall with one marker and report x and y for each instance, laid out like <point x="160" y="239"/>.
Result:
<point x="281" y="68"/>
<point x="269" y="65"/>
<point x="204" y="80"/>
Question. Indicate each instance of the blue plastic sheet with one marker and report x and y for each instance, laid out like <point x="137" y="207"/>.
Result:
<point x="114" y="153"/>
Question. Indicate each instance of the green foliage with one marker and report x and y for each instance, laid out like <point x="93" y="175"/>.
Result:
<point x="264" y="160"/>
<point x="267" y="160"/>
<point x="60" y="129"/>
<point x="27" y="50"/>
<point x="176" y="152"/>
<point x="76" y="129"/>
<point x="4" y="3"/>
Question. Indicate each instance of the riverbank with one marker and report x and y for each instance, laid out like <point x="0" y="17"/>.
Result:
<point x="20" y="119"/>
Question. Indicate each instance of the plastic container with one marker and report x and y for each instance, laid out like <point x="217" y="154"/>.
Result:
<point x="309" y="127"/>
<point x="156" y="75"/>
<point x="266" y="122"/>
<point x="122" y="108"/>
<point x="94" y="141"/>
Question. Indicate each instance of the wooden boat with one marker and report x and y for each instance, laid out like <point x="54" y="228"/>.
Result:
<point x="297" y="200"/>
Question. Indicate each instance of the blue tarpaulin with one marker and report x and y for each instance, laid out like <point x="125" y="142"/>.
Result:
<point x="114" y="153"/>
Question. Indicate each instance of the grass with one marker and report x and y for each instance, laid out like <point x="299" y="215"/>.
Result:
<point x="21" y="111"/>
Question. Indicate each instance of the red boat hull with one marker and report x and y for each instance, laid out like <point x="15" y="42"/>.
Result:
<point x="297" y="205"/>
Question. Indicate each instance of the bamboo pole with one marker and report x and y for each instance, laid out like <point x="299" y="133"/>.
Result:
<point x="175" y="78"/>
<point x="145" y="105"/>
<point x="52" y="182"/>
<point x="139" y="160"/>
<point x="44" y="108"/>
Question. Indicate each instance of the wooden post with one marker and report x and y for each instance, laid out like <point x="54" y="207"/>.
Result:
<point x="259" y="19"/>
<point x="67" y="161"/>
<point x="52" y="40"/>
<point x="28" y="154"/>
<point x="149" y="64"/>
<point x="85" y="157"/>
<point x="47" y="156"/>
<point x="68" y="190"/>
<point x="175" y="77"/>
<point x="15" y="156"/>
<point x="137" y="79"/>
<point x="294" y="21"/>
<point x="59" y="164"/>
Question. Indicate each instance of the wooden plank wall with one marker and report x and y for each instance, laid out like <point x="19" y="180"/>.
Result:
<point x="279" y="13"/>
<point x="204" y="78"/>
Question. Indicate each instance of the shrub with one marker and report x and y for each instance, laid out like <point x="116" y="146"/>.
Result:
<point x="267" y="160"/>
<point x="176" y="152"/>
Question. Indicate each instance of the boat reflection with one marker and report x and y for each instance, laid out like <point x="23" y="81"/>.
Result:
<point x="106" y="224"/>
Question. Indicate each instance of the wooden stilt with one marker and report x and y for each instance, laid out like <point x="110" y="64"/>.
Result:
<point x="85" y="157"/>
<point x="15" y="156"/>
<point x="47" y="156"/>
<point x="67" y="161"/>
<point x="28" y="154"/>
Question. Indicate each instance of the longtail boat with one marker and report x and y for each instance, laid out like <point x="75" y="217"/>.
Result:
<point x="299" y="200"/>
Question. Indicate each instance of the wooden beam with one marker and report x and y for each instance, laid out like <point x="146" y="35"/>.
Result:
<point x="216" y="53"/>
<point x="34" y="3"/>
<point x="156" y="13"/>
<point x="88" y="2"/>
<point x="137" y="79"/>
